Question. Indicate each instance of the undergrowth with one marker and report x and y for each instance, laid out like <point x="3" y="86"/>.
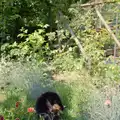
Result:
<point x="28" y="81"/>
<point x="24" y="82"/>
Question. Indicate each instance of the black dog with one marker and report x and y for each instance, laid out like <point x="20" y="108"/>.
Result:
<point x="49" y="105"/>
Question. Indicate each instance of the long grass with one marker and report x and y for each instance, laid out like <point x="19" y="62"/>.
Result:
<point x="28" y="81"/>
<point x="78" y="90"/>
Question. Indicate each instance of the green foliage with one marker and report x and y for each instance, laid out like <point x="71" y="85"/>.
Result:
<point x="42" y="43"/>
<point x="30" y="81"/>
<point x="22" y="14"/>
<point x="16" y="14"/>
<point x="112" y="69"/>
<point x="94" y="40"/>
<point x="59" y="41"/>
<point x="32" y="47"/>
<point x="9" y="110"/>
<point x="94" y="48"/>
<point x="67" y="62"/>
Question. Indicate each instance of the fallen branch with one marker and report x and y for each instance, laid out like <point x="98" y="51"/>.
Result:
<point x="107" y="27"/>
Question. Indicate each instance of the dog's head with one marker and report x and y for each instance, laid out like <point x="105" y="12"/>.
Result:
<point x="55" y="108"/>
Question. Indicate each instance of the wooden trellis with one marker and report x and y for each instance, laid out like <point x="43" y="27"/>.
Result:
<point x="109" y="29"/>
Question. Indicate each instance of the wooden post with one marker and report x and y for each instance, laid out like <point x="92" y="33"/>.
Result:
<point x="108" y="28"/>
<point x="115" y="50"/>
<point x="96" y="3"/>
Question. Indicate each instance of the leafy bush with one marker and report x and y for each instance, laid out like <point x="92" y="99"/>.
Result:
<point x="67" y="62"/>
<point x="32" y="47"/>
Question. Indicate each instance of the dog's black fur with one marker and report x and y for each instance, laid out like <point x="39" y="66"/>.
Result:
<point x="44" y="105"/>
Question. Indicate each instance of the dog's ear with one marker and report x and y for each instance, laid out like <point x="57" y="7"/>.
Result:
<point x="49" y="106"/>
